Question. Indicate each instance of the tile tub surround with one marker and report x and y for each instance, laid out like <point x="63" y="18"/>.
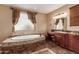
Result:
<point x="22" y="48"/>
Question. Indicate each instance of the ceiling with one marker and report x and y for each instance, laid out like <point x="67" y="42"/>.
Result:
<point x="41" y="8"/>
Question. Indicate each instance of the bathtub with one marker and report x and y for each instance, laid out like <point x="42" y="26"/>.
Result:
<point x="27" y="38"/>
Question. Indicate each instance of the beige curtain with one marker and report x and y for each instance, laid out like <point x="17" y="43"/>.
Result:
<point x="15" y="17"/>
<point x="31" y="16"/>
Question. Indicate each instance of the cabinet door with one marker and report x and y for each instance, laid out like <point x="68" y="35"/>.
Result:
<point x="60" y="40"/>
<point x="74" y="43"/>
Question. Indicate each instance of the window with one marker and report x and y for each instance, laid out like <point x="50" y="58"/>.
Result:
<point x="24" y="23"/>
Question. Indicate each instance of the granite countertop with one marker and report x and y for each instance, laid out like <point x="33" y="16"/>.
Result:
<point x="67" y="32"/>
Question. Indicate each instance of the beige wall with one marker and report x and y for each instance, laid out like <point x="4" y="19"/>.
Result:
<point x="41" y="25"/>
<point x="62" y="10"/>
<point x="5" y="22"/>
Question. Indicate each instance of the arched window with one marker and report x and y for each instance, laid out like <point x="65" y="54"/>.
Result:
<point x="24" y="23"/>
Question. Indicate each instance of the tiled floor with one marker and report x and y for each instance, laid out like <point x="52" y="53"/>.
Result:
<point x="58" y="49"/>
<point x="44" y="51"/>
<point x="53" y="47"/>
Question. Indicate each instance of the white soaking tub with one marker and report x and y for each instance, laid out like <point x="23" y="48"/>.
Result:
<point x="27" y="38"/>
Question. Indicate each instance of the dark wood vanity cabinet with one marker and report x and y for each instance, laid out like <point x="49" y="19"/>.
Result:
<point x="60" y="39"/>
<point x="74" y="43"/>
<point x="66" y="40"/>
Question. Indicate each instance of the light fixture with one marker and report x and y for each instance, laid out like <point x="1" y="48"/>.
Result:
<point x="60" y="16"/>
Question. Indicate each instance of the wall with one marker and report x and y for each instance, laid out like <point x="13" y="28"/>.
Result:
<point x="5" y="22"/>
<point x="62" y="10"/>
<point x="41" y="25"/>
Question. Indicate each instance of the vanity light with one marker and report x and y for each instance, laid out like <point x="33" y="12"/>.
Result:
<point x="60" y="16"/>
